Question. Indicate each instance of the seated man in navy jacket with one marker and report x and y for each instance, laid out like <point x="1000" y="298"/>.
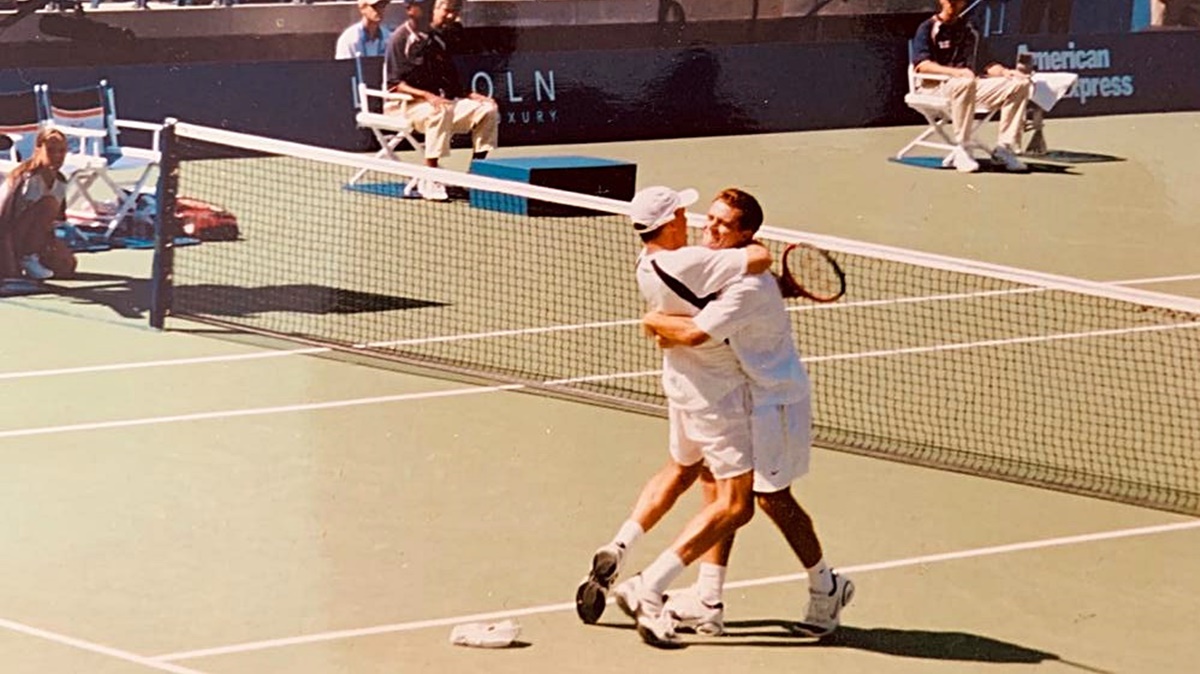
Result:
<point x="419" y="63"/>
<point x="945" y="44"/>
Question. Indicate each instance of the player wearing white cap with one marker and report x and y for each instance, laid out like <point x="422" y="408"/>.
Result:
<point x="708" y="410"/>
<point x="751" y="317"/>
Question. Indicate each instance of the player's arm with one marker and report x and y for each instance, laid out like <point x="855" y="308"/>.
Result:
<point x="669" y="330"/>
<point x="758" y="258"/>
<point x="722" y="318"/>
<point x="708" y="271"/>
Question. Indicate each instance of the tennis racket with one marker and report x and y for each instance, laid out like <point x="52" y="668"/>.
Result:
<point x="811" y="273"/>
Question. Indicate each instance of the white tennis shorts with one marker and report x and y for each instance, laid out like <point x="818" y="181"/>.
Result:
<point x="782" y="442"/>
<point x="719" y="436"/>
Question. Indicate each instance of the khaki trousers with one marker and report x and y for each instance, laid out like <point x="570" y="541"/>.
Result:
<point x="440" y="123"/>
<point x="1009" y="94"/>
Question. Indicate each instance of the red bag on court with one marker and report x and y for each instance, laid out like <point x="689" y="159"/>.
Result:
<point x="205" y="221"/>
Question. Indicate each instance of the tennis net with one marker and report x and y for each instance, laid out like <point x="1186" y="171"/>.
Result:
<point x="1035" y="378"/>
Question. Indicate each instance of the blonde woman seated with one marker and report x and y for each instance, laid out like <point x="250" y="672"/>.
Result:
<point x="33" y="200"/>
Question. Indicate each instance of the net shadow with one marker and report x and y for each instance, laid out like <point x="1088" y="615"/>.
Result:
<point x="127" y="297"/>
<point x="305" y="298"/>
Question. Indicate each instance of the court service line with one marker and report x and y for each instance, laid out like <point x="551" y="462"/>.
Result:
<point x="254" y="411"/>
<point x="199" y="360"/>
<point x="568" y="606"/>
<point x="153" y="663"/>
<point x="375" y="400"/>
<point x="131" y="365"/>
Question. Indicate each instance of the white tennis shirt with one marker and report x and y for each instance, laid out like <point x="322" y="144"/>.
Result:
<point x="694" y="378"/>
<point x="751" y="314"/>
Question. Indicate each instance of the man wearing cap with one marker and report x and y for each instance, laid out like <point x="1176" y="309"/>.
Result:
<point x="419" y="63"/>
<point x="368" y="37"/>
<point x="708" y="411"/>
<point x="751" y="316"/>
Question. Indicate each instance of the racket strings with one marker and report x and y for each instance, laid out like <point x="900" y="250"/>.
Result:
<point x="812" y="273"/>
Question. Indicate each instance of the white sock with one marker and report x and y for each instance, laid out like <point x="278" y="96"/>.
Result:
<point x="628" y="534"/>
<point x="820" y="578"/>
<point x="710" y="584"/>
<point x="662" y="571"/>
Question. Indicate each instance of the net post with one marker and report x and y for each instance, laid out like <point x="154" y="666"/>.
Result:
<point x="166" y="227"/>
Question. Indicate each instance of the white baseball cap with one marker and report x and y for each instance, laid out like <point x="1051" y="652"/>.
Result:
<point x="655" y="206"/>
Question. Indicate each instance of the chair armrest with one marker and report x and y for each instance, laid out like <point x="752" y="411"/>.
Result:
<point x="154" y="128"/>
<point x="11" y="151"/>
<point x="81" y="131"/>
<point x="141" y="126"/>
<point x="932" y="77"/>
<point x="90" y="140"/>
<point x="387" y="95"/>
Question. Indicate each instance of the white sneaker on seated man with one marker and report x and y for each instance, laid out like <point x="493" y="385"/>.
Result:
<point x="966" y="94"/>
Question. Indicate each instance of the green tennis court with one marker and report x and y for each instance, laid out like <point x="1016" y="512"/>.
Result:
<point x="203" y="500"/>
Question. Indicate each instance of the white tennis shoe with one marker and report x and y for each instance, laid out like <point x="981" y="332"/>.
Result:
<point x="432" y="190"/>
<point x="655" y="626"/>
<point x="1006" y="156"/>
<point x="691" y="612"/>
<point x="34" y="268"/>
<point x="962" y="161"/>
<point x="590" y="597"/>
<point x="825" y="610"/>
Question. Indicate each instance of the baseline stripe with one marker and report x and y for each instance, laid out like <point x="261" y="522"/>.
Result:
<point x="570" y="606"/>
<point x="73" y="642"/>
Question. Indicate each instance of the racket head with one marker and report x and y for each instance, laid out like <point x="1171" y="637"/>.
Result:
<point x="811" y="273"/>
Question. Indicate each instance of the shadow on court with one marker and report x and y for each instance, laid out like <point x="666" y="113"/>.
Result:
<point x="1036" y="165"/>
<point x="130" y="297"/>
<point x="1073" y="157"/>
<point x="921" y="644"/>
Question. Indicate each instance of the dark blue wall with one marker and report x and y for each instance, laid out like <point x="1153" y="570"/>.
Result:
<point x="585" y="96"/>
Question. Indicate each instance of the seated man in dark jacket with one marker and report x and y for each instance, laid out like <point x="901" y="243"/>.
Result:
<point x="945" y="44"/>
<point x="420" y="64"/>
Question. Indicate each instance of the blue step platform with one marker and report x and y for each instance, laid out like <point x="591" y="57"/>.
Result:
<point x="587" y="175"/>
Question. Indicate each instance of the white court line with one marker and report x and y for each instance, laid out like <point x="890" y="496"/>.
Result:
<point x="153" y="663"/>
<point x="375" y="400"/>
<point x="418" y="341"/>
<point x="568" y="606"/>
<point x="1156" y="279"/>
<point x="529" y="331"/>
<point x="159" y="363"/>
<point x="933" y="348"/>
<point x="254" y="411"/>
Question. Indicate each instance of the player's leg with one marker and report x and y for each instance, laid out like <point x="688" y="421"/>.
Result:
<point x="643" y="596"/>
<point x="657" y="498"/>
<point x="701" y="607"/>
<point x="723" y="433"/>
<point x="782" y="437"/>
